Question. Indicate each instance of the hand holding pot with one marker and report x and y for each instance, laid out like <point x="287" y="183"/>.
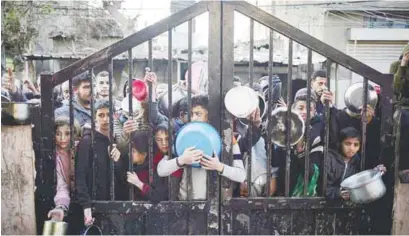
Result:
<point x="56" y="214"/>
<point x="88" y="220"/>
<point x="345" y="195"/>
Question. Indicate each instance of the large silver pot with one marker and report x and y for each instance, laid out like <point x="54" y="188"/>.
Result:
<point x="365" y="187"/>
<point x="13" y="113"/>
<point x="353" y="97"/>
<point x="52" y="227"/>
<point x="178" y="94"/>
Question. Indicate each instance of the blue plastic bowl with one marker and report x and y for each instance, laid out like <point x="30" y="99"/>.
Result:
<point x="201" y="135"/>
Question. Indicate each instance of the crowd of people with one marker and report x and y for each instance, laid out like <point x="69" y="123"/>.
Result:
<point x="95" y="152"/>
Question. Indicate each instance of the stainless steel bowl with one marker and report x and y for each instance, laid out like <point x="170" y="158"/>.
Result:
<point x="353" y="97"/>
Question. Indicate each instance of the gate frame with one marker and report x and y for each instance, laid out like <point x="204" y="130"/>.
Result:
<point x="219" y="203"/>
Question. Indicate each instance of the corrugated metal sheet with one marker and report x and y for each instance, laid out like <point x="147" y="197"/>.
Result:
<point x="376" y="55"/>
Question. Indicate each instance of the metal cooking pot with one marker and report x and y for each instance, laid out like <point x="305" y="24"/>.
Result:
<point x="353" y="97"/>
<point x="52" y="227"/>
<point x="279" y="127"/>
<point x="13" y="113"/>
<point x="365" y="187"/>
<point x="178" y="94"/>
<point x="92" y="230"/>
<point x="263" y="109"/>
<point x="258" y="185"/>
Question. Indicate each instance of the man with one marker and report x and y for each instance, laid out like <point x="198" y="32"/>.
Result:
<point x="319" y="85"/>
<point x="102" y="88"/>
<point x="400" y="70"/>
<point x="85" y="161"/>
<point x="81" y="102"/>
<point x="10" y="89"/>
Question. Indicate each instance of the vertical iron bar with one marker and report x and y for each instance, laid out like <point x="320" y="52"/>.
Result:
<point x="249" y="129"/>
<point x="93" y="153"/>
<point x="269" y="109"/>
<point x="189" y="99"/>
<point x="364" y="121"/>
<point x="48" y="134"/>
<point x="327" y="120"/>
<point x="150" y="151"/>
<point x="308" y="123"/>
<point x="111" y="127"/>
<point x="170" y="111"/>
<point x="130" y="116"/>
<point x="288" y="121"/>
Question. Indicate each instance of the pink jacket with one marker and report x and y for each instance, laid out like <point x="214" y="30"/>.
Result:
<point x="63" y="168"/>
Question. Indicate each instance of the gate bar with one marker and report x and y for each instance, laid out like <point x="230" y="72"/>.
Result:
<point x="364" y="121"/>
<point x="111" y="128"/>
<point x="150" y="143"/>
<point x="130" y="116"/>
<point x="189" y="100"/>
<point x="269" y="110"/>
<point x="308" y="123"/>
<point x="94" y="156"/>
<point x="327" y="127"/>
<point x="288" y="121"/>
<point x="71" y="112"/>
<point x="170" y="110"/>
<point x="250" y="126"/>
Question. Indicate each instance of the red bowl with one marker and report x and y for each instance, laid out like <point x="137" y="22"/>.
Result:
<point x="139" y="90"/>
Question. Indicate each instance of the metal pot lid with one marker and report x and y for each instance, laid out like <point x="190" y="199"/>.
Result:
<point x="241" y="101"/>
<point x="278" y="124"/>
<point x="353" y="97"/>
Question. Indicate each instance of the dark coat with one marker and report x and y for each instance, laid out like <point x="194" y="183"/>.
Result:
<point x="84" y="162"/>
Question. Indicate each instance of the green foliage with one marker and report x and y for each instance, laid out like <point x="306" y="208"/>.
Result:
<point x="17" y="29"/>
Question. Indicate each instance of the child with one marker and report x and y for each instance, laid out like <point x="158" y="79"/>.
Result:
<point x="199" y="112"/>
<point x="64" y="167"/>
<point x="297" y="166"/>
<point x="343" y="162"/>
<point x="84" y="161"/>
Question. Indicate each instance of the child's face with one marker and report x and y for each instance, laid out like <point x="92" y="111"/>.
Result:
<point x="102" y="119"/>
<point x="62" y="137"/>
<point x="161" y="139"/>
<point x="199" y="114"/>
<point x="301" y="108"/>
<point x="137" y="157"/>
<point x="350" y="147"/>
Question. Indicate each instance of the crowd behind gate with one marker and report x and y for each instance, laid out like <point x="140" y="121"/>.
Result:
<point x="74" y="191"/>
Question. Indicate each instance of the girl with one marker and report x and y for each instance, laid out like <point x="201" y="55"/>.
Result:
<point x="139" y="176"/>
<point x="64" y="167"/>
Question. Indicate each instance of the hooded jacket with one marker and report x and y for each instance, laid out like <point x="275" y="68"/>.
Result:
<point x="401" y="77"/>
<point x="81" y="114"/>
<point x="340" y="120"/>
<point x="337" y="171"/>
<point x="84" y="161"/>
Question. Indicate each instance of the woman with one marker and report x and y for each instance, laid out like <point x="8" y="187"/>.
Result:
<point x="64" y="167"/>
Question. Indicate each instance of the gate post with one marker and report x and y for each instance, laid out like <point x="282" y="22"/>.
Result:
<point x="46" y="188"/>
<point x="215" y="101"/>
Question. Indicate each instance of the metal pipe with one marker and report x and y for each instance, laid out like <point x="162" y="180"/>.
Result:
<point x="189" y="100"/>
<point x="94" y="157"/>
<point x="288" y="121"/>
<point x="327" y="126"/>
<point x="308" y="124"/>
<point x="364" y="121"/>
<point x="170" y="131"/>
<point x="269" y="110"/>
<point x="150" y="151"/>
<point x="111" y="128"/>
<point x="249" y="129"/>
<point x="130" y="116"/>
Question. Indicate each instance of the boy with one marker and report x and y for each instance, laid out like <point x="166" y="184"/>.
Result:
<point x="199" y="112"/>
<point x="84" y="161"/>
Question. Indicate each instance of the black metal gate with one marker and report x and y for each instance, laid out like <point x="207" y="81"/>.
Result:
<point x="220" y="213"/>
